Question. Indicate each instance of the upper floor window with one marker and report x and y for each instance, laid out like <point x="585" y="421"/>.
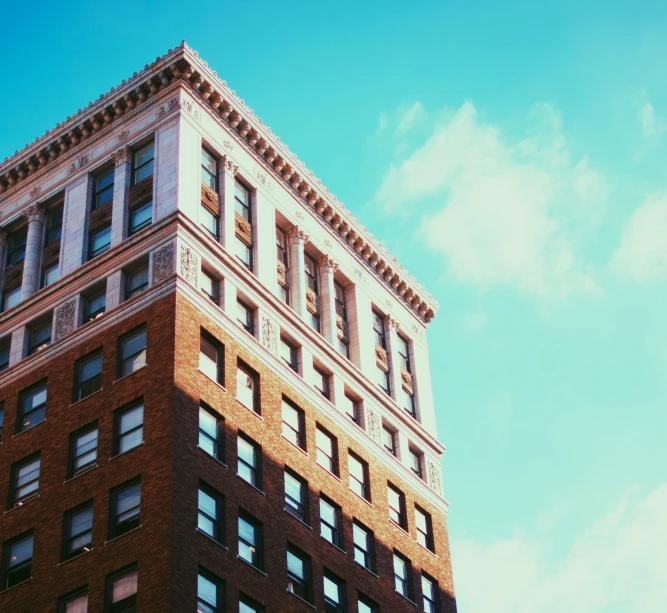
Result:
<point x="17" y="557"/>
<point x="143" y="163"/>
<point x="330" y="521"/>
<point x="352" y="408"/>
<point x="334" y="588"/>
<point x="141" y="216"/>
<point x="78" y="530"/>
<point x="379" y="330"/>
<point x="343" y="331"/>
<point x="129" y="428"/>
<point x="11" y="297"/>
<point x="125" y="508"/>
<point x="50" y="274"/>
<point x="249" y="455"/>
<point x="424" y="526"/>
<point x="251" y="539"/>
<point x="76" y="602"/>
<point x="209" y="170"/>
<point x="25" y="480"/>
<point x="5" y="346"/>
<point x="83" y="450"/>
<point x="247" y="388"/>
<point x="32" y="407"/>
<point x="16" y="247"/>
<point x="406" y="396"/>
<point x="40" y="334"/>
<point x="299" y="575"/>
<point x="296" y="496"/>
<point x="242" y="204"/>
<point x="209" y="221"/>
<point x="54" y="225"/>
<point x="210" y="357"/>
<point x="311" y="273"/>
<point x="122" y="591"/>
<point x="245" y="315"/>
<point x="136" y="280"/>
<point x="364" y="545"/>
<point x="104" y="186"/>
<point x="293" y="424"/>
<point x="366" y="605"/>
<point x="312" y="294"/>
<point x="140" y="213"/>
<point x="327" y="450"/>
<point x="210" y="286"/>
<point x="358" y="470"/>
<point x="88" y="375"/>
<point x="429" y="594"/>
<point x="416" y="464"/>
<point x="243" y="208"/>
<point x="282" y="256"/>
<point x="396" y="500"/>
<point x="288" y="353"/>
<point x="389" y="439"/>
<point x="209" y="593"/>
<point x="322" y="382"/>
<point x="99" y="241"/>
<point x="402" y="579"/>
<point x="132" y="352"/>
<point x="210" y="519"/>
<point x="248" y="605"/>
<point x="210" y="432"/>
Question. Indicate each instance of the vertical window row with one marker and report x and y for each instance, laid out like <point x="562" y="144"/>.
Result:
<point x="312" y="294"/>
<point x="209" y="211"/>
<point x="52" y="235"/>
<point x="140" y="207"/>
<point x="101" y="209"/>
<point x="342" y="326"/>
<point x="282" y="265"/>
<point x="243" y="224"/>
<point x="381" y="360"/>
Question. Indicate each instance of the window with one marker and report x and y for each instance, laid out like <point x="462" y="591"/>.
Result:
<point x="397" y="512"/>
<point x="210" y="286"/>
<point x="330" y="521"/>
<point x="402" y="570"/>
<point x="416" y="463"/>
<point x="78" y="531"/>
<point x="39" y="335"/>
<point x="17" y="556"/>
<point x="248" y="605"/>
<point x="11" y="298"/>
<point x="209" y="221"/>
<point x="210" y="357"/>
<point x="379" y="330"/>
<point x="210" y="519"/>
<point x="406" y="397"/>
<point x="352" y="408"/>
<point x="327" y="450"/>
<point x="104" y="184"/>
<point x="296" y="495"/>
<point x="334" y="593"/>
<point x="88" y="375"/>
<point x="364" y="545"/>
<point x="366" y="605"/>
<point x="50" y="274"/>
<point x="245" y="317"/>
<point x="129" y="428"/>
<point x="289" y="354"/>
<point x="136" y="280"/>
<point x="209" y="593"/>
<point x="282" y="256"/>
<point x="125" y="507"/>
<point x="94" y="304"/>
<point x="343" y="335"/>
<point x="299" y="576"/>
<point x="141" y="216"/>
<point x="54" y="225"/>
<point x="358" y="476"/>
<point x="389" y="439"/>
<point x="132" y="352"/>
<point x="16" y="247"/>
<point x="32" y="407"/>
<point x="83" y="450"/>
<point x="143" y="163"/>
<point x="244" y="253"/>
<point x="429" y="594"/>
<point x="5" y="346"/>
<point x="210" y="432"/>
<point x="424" y="526"/>
<point x="122" y="591"/>
<point x="246" y="388"/>
<point x="74" y="603"/>
<point x="99" y="241"/>
<point x="293" y="425"/>
<point x="248" y="460"/>
<point x="25" y="480"/>
<point x="313" y="317"/>
<point x="209" y="170"/>
<point x="322" y="382"/>
<point x="250" y="540"/>
<point x="243" y="208"/>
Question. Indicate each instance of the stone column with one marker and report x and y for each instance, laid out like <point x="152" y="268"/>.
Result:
<point x="33" y="250"/>
<point x="121" y="190"/>
<point x="392" y="327"/>
<point x="327" y="267"/>
<point x="297" y="242"/>
<point x="3" y="251"/>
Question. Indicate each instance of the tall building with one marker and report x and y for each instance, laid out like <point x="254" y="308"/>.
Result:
<point x="215" y="390"/>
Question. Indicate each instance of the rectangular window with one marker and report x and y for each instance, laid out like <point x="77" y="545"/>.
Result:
<point x="288" y="353"/>
<point x="379" y="330"/>
<point x="209" y="593"/>
<point x="248" y="460"/>
<point x="382" y="379"/>
<point x="327" y="450"/>
<point x="416" y="463"/>
<point x="247" y="390"/>
<point x="94" y="304"/>
<point x="25" y="480"/>
<point x="251" y="540"/>
<point x="83" y="450"/>
<point x="104" y="185"/>
<point x="424" y="527"/>
<point x="132" y="352"/>
<point x="17" y="557"/>
<point x="397" y="512"/>
<point x="11" y="298"/>
<point x="245" y="315"/>
<point x="99" y="241"/>
<point x="282" y="257"/>
<point x="122" y="591"/>
<point x="402" y="570"/>
<point x="78" y="534"/>
<point x="32" y="407"/>
<point x="293" y="424"/>
<point x="358" y="476"/>
<point x="210" y="519"/>
<point x="299" y="574"/>
<point x="88" y="375"/>
<point x="352" y="408"/>
<point x="243" y="208"/>
<point x="244" y="253"/>
<point x="74" y="603"/>
<point x="16" y="247"/>
<point x="129" y="428"/>
<point x="429" y="594"/>
<point x="209" y="221"/>
<point x="50" y="274"/>
<point x="330" y="514"/>
<point x="143" y="163"/>
<point x="125" y="507"/>
<point x="210" y="286"/>
<point x="334" y="593"/>
<point x="366" y="605"/>
<point x="364" y="545"/>
<point x="39" y="335"/>
<point x="210" y="357"/>
<point x="209" y="169"/>
<point x="136" y="280"/>
<point x="5" y="347"/>
<point x="389" y="439"/>
<point x="248" y="605"/>
<point x="141" y="216"/>
<point x="406" y="397"/>
<point x="53" y="225"/>
<point x="343" y="330"/>
<point x="296" y="496"/>
<point x="407" y="401"/>
<point x="322" y="382"/>
<point x="312" y="316"/>
<point x="211" y="432"/>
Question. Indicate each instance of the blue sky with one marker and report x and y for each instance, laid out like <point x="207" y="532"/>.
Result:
<point x="511" y="155"/>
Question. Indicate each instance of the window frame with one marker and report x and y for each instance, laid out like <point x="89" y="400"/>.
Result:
<point x="218" y="442"/>
<point x="332" y="460"/>
<point x="336" y="529"/>
<point x="14" y="246"/>
<point x="136" y="168"/>
<point x="218" y="522"/>
<point x="219" y="605"/>
<point x="426" y="535"/>
<point x="14" y="499"/>
<point x="215" y="287"/>
<point x="255" y="469"/>
<point x="365" y="484"/>
<point x="387" y="431"/>
<point x="406" y="581"/>
<point x="298" y="509"/>
<point x="131" y="274"/>
<point x="433" y="606"/>
<point x="118" y="436"/>
<point x="78" y="368"/>
<point x="87" y="300"/>
<point x="293" y="364"/>
<point x="124" y="338"/>
<point x="72" y="597"/>
<point x="93" y="253"/>
<point x="329" y="605"/>
<point x="305" y="582"/>
<point x="131" y="600"/>
<point x="49" y="226"/>
<point x="325" y="377"/>
<point x="72" y="471"/>
<point x="258" y="534"/>
<point x="7" y="547"/>
<point x="22" y="414"/>
<point x="97" y="190"/>
<point x="204" y="170"/>
<point x="5" y="344"/>
<point x="131" y="524"/>
<point x="45" y="323"/>
<point x="218" y="347"/>
<point x="68" y="537"/>
<point x="366" y="601"/>
<point x="251" y="603"/>
<point x="298" y="433"/>
<point x="249" y="324"/>
<point x="397" y="516"/>
<point x="368" y="554"/>
<point x="253" y="377"/>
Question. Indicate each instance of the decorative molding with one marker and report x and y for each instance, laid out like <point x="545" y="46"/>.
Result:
<point x="123" y="136"/>
<point x="189" y="265"/>
<point x="381" y="358"/>
<point x="392" y="323"/>
<point x="163" y="263"/>
<point x="434" y="479"/>
<point x="327" y="243"/>
<point x="120" y="157"/>
<point x="325" y="262"/>
<point x="295" y="235"/>
<point x="79" y="162"/>
<point x="65" y="319"/>
<point x="270" y="335"/>
<point x="35" y="191"/>
<point x="35" y="212"/>
<point x="374" y="425"/>
<point x="300" y="216"/>
<point x="167" y="106"/>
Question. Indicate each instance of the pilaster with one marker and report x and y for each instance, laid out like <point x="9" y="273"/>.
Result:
<point x="33" y="250"/>
<point x="327" y="267"/>
<point x="297" y="242"/>
<point x="121" y="190"/>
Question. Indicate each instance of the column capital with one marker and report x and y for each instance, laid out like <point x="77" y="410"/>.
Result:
<point x="35" y="212"/>
<point x="326" y="263"/>
<point x="120" y="157"/>
<point x="297" y="236"/>
<point x="392" y="323"/>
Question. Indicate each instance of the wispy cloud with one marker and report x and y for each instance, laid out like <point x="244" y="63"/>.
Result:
<point x="618" y="563"/>
<point x="408" y="116"/>
<point x="650" y="124"/>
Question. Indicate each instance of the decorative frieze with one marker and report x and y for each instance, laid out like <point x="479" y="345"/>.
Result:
<point x="188" y="265"/>
<point x="120" y="157"/>
<point x="374" y="425"/>
<point x="269" y="336"/>
<point x="163" y="263"/>
<point x="79" y="162"/>
<point x="65" y="315"/>
<point x="433" y="477"/>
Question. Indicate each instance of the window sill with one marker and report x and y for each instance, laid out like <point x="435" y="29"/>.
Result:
<point x="308" y="604"/>
<point x="86" y="470"/>
<point x="210" y="538"/>
<point x="368" y="570"/>
<point x="301" y="449"/>
<point x="76" y="557"/>
<point x="28" y="430"/>
<point x="326" y="470"/>
<point x="134" y="372"/>
<point x="368" y="502"/>
<point x="116" y="538"/>
<point x="435" y="555"/>
<point x="76" y="402"/>
<point x="401" y="528"/>
<point x="254" y="487"/>
<point x="22" y="504"/>
<point x="28" y="580"/>
<point x="120" y="455"/>
<point x="303" y="523"/>
<point x="220" y="385"/>
<point x="334" y="545"/>
<point x="412" y="602"/>
<point x="208" y="455"/>
<point x="259" y="570"/>
<point x="255" y="413"/>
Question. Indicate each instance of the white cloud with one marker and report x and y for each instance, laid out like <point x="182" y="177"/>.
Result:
<point x="617" y="564"/>
<point x="408" y="116"/>
<point x="642" y="254"/>
<point x="382" y="123"/>
<point x="504" y="209"/>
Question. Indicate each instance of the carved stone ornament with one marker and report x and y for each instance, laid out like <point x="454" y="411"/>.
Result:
<point x="300" y="216"/>
<point x="381" y="358"/>
<point x="327" y="243"/>
<point x="121" y="156"/>
<point x="167" y="106"/>
<point x="35" y="212"/>
<point x="433" y="474"/>
<point x="163" y="263"/>
<point x="325" y="262"/>
<point x="373" y="425"/>
<point x="78" y="163"/>
<point x="227" y="145"/>
<point x="231" y="167"/>
<point x="296" y="234"/>
<point x="65" y="319"/>
<point x="392" y="323"/>
<point x="406" y="380"/>
<point x="123" y="136"/>
<point x="35" y="191"/>
<point x="270" y="335"/>
<point x="189" y="265"/>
